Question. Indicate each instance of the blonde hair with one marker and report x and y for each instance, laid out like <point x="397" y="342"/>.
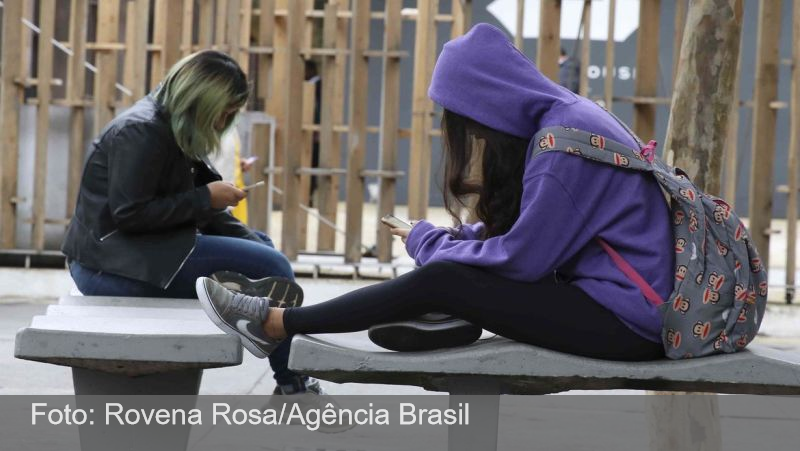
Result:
<point x="197" y="93"/>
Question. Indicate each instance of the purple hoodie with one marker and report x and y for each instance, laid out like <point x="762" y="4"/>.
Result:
<point x="567" y="200"/>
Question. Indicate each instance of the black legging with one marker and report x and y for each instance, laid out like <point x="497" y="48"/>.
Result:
<point x="561" y="317"/>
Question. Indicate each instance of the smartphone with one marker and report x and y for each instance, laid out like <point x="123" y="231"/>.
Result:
<point x="250" y="160"/>
<point x="254" y="185"/>
<point x="394" y="222"/>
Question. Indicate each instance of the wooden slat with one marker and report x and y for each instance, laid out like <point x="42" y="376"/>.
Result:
<point x="130" y="63"/>
<point x="187" y="28"/>
<point x="462" y="17"/>
<point x="794" y="150"/>
<point x="259" y="147"/>
<point x="104" y="80"/>
<point x="421" y="111"/>
<point x="10" y="100"/>
<point x="306" y="149"/>
<point x="390" y="118"/>
<point x="644" y="115"/>
<point x="357" y="138"/>
<point x="763" y="145"/>
<point x="220" y="25"/>
<point x="276" y="101"/>
<point x="258" y="204"/>
<point x="76" y="88"/>
<point x="232" y="30"/>
<point x="158" y="67"/>
<point x="47" y="23"/>
<point x="586" y="48"/>
<point x="608" y="91"/>
<point x="731" y="154"/>
<point x="174" y="33"/>
<point x="680" y="24"/>
<point x="519" y="39"/>
<point x="328" y="143"/>
<point x="294" y="132"/>
<point x="205" y="24"/>
<point x="26" y="37"/>
<point x="548" y="47"/>
<point x="244" y="34"/>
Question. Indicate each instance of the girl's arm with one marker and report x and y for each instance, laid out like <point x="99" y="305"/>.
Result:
<point x="548" y="232"/>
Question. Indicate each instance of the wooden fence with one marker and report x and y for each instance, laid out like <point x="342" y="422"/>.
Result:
<point x="133" y="42"/>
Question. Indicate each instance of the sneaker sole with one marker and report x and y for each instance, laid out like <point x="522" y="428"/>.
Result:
<point x="415" y="336"/>
<point x="284" y="292"/>
<point x="216" y="318"/>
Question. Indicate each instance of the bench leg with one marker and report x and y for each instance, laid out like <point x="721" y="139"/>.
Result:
<point x="481" y="434"/>
<point x="683" y="421"/>
<point x="113" y="435"/>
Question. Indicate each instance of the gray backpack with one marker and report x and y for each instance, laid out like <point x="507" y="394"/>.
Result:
<point x="720" y="291"/>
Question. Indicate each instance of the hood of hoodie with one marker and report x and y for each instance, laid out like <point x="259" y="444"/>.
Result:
<point x="483" y="76"/>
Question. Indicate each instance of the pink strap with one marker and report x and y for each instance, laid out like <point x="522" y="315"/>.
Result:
<point x="649" y="151"/>
<point x="634" y="276"/>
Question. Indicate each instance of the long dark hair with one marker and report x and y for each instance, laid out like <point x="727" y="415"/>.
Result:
<point x="499" y="190"/>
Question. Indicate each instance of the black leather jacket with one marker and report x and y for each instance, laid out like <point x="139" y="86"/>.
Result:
<point x="142" y="202"/>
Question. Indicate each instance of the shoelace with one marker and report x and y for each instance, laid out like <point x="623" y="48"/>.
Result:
<point x="247" y="305"/>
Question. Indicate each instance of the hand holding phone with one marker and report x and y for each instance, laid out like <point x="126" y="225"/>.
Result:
<point x="254" y="185"/>
<point x="395" y="222"/>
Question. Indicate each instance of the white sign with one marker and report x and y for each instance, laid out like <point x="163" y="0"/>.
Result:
<point x="626" y="18"/>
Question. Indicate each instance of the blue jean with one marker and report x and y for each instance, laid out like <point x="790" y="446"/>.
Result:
<point x="211" y="254"/>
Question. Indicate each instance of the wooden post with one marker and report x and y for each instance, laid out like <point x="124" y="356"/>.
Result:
<point x="259" y="143"/>
<point x="586" y="48"/>
<point x="10" y="100"/>
<point x="76" y="90"/>
<point x="763" y="156"/>
<point x="294" y="128"/>
<point x="462" y="17"/>
<point x="135" y="49"/>
<point x="306" y="151"/>
<point x="519" y="38"/>
<point x="167" y="38"/>
<point x="548" y="47"/>
<point x="106" y="77"/>
<point x="698" y="125"/>
<point x="220" y="25"/>
<point x="608" y="91"/>
<point x="188" y="27"/>
<point x="245" y="22"/>
<point x="731" y="153"/>
<point x="357" y="137"/>
<point x="389" y="123"/>
<point x="47" y="13"/>
<point x="422" y="110"/>
<point x="644" y="114"/>
<point x="205" y="24"/>
<point x="233" y="32"/>
<point x="278" y="98"/>
<point x="794" y="150"/>
<point x="329" y="151"/>
<point x="680" y="25"/>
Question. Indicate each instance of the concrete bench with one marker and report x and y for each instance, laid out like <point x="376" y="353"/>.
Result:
<point x="119" y="346"/>
<point x="500" y="366"/>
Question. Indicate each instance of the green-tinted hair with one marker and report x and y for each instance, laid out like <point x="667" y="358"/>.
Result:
<point x="196" y="93"/>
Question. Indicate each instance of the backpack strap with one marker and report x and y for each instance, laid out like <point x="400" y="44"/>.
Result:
<point x="634" y="276"/>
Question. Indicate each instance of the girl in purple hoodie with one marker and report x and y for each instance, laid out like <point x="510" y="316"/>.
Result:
<point x="531" y="270"/>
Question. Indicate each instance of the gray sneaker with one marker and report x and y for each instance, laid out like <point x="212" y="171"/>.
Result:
<point x="239" y="314"/>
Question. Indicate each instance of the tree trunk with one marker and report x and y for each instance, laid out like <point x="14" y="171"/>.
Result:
<point x="701" y="103"/>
